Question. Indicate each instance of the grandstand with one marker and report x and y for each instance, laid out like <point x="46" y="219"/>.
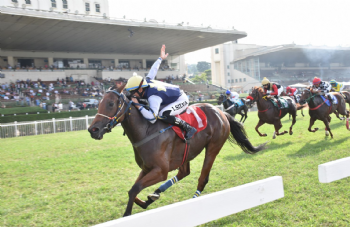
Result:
<point x="42" y="42"/>
<point x="246" y="65"/>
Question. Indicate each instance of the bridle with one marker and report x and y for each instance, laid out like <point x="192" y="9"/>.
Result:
<point x="309" y="98"/>
<point x="113" y="121"/>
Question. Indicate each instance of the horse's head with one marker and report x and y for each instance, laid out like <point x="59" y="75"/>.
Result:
<point x="305" y="96"/>
<point x="111" y="111"/>
<point x="256" y="93"/>
<point x="221" y="99"/>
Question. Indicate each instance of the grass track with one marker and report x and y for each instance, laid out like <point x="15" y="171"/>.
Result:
<point x="68" y="179"/>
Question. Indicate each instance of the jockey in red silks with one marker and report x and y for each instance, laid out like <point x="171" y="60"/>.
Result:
<point x="292" y="92"/>
<point x="272" y="89"/>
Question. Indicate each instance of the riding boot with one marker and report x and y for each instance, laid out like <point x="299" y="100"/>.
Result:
<point x="330" y="99"/>
<point x="190" y="131"/>
<point x="278" y="103"/>
<point x="236" y="106"/>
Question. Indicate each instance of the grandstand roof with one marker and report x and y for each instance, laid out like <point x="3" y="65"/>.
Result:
<point x="34" y="30"/>
<point x="290" y="52"/>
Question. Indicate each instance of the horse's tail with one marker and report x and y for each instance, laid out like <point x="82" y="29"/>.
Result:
<point x="238" y="136"/>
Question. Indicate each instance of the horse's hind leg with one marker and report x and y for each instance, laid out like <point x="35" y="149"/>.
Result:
<point x="211" y="152"/>
<point x="278" y="126"/>
<point x="245" y="113"/>
<point x="312" y="122"/>
<point x="156" y="175"/>
<point x="294" y="114"/>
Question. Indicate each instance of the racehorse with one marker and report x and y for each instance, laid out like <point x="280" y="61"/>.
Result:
<point x="296" y="100"/>
<point x="157" y="157"/>
<point x="268" y="113"/>
<point x="319" y="111"/>
<point x="242" y="110"/>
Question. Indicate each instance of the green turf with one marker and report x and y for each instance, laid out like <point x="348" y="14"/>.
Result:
<point x="69" y="179"/>
<point x="19" y="110"/>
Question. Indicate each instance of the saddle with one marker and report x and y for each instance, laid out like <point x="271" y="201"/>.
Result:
<point x="199" y="122"/>
<point x="334" y="100"/>
<point x="284" y="103"/>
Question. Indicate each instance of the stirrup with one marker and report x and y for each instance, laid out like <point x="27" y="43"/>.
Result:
<point x="190" y="133"/>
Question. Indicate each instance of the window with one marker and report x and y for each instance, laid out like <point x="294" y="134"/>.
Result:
<point x="14" y="1"/>
<point x="244" y="79"/>
<point x="97" y="8"/>
<point x="87" y="7"/>
<point x="236" y="80"/>
<point x="53" y="3"/>
<point x="65" y="4"/>
<point x="228" y="74"/>
<point x="228" y="81"/>
<point x="28" y="2"/>
<point x="240" y="79"/>
<point x="216" y="50"/>
<point x="228" y="66"/>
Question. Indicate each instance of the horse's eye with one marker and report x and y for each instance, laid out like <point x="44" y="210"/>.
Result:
<point x="111" y="104"/>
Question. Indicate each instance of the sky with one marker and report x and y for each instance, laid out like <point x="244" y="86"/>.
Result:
<point x="267" y="22"/>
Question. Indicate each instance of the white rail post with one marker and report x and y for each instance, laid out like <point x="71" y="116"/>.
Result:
<point x="71" y="123"/>
<point x="54" y="125"/>
<point x="211" y="207"/>
<point x="87" y="121"/>
<point x="36" y="127"/>
<point x="42" y="130"/>
<point x="334" y="170"/>
<point x="16" y="128"/>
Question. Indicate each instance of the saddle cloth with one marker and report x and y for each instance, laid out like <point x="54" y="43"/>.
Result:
<point x="199" y="122"/>
<point x="283" y="102"/>
<point x="240" y="102"/>
<point x="335" y="100"/>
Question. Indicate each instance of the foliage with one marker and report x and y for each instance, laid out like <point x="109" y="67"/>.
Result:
<point x="22" y="110"/>
<point x="202" y="66"/>
<point x="46" y="116"/>
<point x="69" y="179"/>
<point x="192" y="69"/>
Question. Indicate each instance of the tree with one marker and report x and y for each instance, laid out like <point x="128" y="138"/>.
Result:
<point x="203" y="65"/>
<point x="192" y="69"/>
<point x="208" y="74"/>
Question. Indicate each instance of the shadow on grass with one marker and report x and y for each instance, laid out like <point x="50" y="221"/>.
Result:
<point x="269" y="148"/>
<point x="311" y="149"/>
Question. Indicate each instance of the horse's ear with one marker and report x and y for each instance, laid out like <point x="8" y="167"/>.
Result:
<point x="120" y="87"/>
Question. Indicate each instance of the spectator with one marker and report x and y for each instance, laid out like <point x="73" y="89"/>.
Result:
<point x="60" y="106"/>
<point x="28" y="100"/>
<point x="70" y="104"/>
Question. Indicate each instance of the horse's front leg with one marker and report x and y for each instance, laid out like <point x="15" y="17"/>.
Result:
<point x="278" y="126"/>
<point x="154" y="176"/>
<point x="260" y="123"/>
<point x="326" y="123"/>
<point x="312" y="122"/>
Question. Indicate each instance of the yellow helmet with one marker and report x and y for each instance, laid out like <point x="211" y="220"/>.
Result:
<point x="265" y="81"/>
<point x="135" y="82"/>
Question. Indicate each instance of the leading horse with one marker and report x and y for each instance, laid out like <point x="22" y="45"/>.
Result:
<point x="318" y="110"/>
<point x="268" y="113"/>
<point x="157" y="157"/>
<point x="233" y="110"/>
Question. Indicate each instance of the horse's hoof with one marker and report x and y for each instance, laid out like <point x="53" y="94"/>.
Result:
<point x="153" y="196"/>
<point x="290" y="133"/>
<point x="274" y="135"/>
<point x="285" y="132"/>
<point x="315" y="129"/>
<point x="264" y="134"/>
<point x="327" y="133"/>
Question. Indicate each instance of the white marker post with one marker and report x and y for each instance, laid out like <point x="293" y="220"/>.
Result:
<point x="207" y="208"/>
<point x="335" y="170"/>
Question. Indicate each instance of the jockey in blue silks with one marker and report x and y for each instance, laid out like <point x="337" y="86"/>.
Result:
<point x="158" y="93"/>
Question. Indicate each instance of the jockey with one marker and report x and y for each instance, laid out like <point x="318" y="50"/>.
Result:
<point x="233" y="97"/>
<point x="292" y="92"/>
<point x="322" y="87"/>
<point x="158" y="93"/>
<point x="338" y="87"/>
<point x="272" y="89"/>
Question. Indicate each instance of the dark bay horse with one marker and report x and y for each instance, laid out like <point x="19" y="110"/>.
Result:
<point x="269" y="114"/>
<point x="296" y="100"/>
<point x="242" y="110"/>
<point x="165" y="153"/>
<point x="318" y="110"/>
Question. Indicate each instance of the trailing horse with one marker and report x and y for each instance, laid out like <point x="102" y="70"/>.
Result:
<point x="157" y="157"/>
<point x="270" y="114"/>
<point x="319" y="110"/>
<point x="233" y="110"/>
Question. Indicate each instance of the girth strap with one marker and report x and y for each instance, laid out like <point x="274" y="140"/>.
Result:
<point x="148" y="138"/>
